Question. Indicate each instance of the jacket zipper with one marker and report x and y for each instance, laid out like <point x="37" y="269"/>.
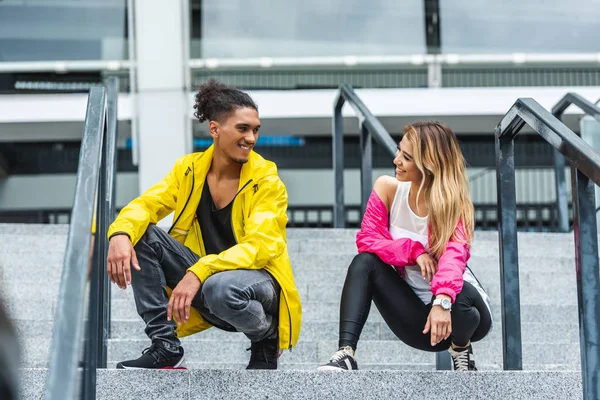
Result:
<point x="287" y="303"/>
<point x="187" y="201"/>
<point x="286" y="300"/>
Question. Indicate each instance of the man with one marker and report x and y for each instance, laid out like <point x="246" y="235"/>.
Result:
<point x="224" y="261"/>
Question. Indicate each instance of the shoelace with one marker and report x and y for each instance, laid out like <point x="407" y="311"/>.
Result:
<point x="338" y="355"/>
<point x="156" y="351"/>
<point x="461" y="360"/>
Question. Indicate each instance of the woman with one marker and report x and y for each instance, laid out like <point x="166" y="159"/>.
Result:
<point x="413" y="249"/>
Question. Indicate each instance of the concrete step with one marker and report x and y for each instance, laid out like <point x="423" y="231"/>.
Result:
<point x="563" y="289"/>
<point x="41" y="229"/>
<point x="541" y="288"/>
<point x="49" y="264"/>
<point x="538" y="276"/>
<point x="367" y="366"/>
<point x="329" y="311"/>
<point x="548" y="293"/>
<point x="363" y="385"/>
<point x="36" y="352"/>
<point x="321" y="304"/>
<point x="552" y="247"/>
<point x="532" y="332"/>
<point x="315" y="239"/>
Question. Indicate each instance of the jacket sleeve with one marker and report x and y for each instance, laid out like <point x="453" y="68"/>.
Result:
<point x="374" y="237"/>
<point x="264" y="237"/>
<point x="149" y="208"/>
<point x="448" y="278"/>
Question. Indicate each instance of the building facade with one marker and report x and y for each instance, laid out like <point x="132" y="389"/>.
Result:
<point x="461" y="63"/>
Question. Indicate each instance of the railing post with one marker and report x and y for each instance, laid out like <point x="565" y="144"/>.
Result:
<point x="588" y="281"/>
<point x="366" y="165"/>
<point x="509" y="260"/>
<point x="91" y="334"/>
<point x="590" y="133"/>
<point x="339" y="218"/>
<point x="561" y="192"/>
<point x="443" y="361"/>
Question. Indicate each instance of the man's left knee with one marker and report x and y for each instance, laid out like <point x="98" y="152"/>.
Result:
<point x="219" y="294"/>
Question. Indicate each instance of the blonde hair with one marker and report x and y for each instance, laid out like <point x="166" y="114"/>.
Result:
<point x="437" y="155"/>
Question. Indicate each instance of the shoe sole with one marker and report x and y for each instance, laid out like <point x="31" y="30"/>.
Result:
<point x="330" y="368"/>
<point x="178" y="366"/>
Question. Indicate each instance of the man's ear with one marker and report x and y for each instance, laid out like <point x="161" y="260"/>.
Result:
<point x="213" y="128"/>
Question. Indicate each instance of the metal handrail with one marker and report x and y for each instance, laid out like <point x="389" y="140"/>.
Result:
<point x="69" y="312"/>
<point x="586" y="163"/>
<point x="559" y="161"/>
<point x="95" y="187"/>
<point x="480" y="174"/>
<point x="98" y="328"/>
<point x="369" y="127"/>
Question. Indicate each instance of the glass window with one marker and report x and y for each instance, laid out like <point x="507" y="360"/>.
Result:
<point x="292" y="28"/>
<point x="63" y="30"/>
<point x="529" y="26"/>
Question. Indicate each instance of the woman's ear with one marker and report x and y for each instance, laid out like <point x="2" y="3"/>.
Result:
<point x="428" y="175"/>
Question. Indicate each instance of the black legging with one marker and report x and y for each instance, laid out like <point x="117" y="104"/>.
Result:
<point x="370" y="278"/>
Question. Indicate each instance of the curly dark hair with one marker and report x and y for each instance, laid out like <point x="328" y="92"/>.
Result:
<point x="214" y="100"/>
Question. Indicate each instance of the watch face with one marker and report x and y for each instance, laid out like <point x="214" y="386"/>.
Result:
<point x="446" y="304"/>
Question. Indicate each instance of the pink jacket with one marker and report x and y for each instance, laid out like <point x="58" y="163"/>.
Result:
<point x="374" y="237"/>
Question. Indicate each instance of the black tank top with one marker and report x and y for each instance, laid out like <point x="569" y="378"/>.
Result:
<point x="215" y="225"/>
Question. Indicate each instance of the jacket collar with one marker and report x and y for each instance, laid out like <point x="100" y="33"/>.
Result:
<point x="256" y="167"/>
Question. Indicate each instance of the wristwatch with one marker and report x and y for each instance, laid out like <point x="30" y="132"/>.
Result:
<point x="444" y="303"/>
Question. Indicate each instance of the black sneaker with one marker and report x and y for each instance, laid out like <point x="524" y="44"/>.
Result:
<point x="462" y="358"/>
<point x="156" y="356"/>
<point x="341" y="360"/>
<point x="264" y="354"/>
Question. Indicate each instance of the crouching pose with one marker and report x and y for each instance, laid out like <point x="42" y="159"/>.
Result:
<point x="413" y="249"/>
<point x="224" y="262"/>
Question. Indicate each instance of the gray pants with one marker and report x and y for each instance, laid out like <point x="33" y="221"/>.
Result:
<point x="238" y="301"/>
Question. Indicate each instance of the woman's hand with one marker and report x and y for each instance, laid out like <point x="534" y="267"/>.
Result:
<point x="428" y="266"/>
<point x="439" y="322"/>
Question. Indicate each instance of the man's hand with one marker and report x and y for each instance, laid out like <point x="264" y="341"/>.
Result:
<point x="182" y="296"/>
<point x="428" y="266"/>
<point x="121" y="257"/>
<point x="439" y="322"/>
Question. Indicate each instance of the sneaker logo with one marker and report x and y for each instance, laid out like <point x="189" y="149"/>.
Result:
<point x="348" y="364"/>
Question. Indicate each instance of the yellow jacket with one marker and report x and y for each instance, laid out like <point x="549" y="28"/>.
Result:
<point x="258" y="217"/>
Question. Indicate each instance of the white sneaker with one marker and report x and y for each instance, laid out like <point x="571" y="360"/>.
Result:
<point x="341" y="360"/>
<point x="462" y="358"/>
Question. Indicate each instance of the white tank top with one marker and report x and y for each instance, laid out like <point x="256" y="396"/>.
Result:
<point x="404" y="223"/>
